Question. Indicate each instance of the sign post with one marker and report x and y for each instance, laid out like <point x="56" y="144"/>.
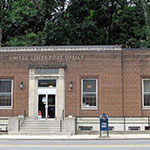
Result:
<point x="104" y="124"/>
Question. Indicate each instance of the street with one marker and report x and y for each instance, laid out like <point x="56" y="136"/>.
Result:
<point x="74" y="144"/>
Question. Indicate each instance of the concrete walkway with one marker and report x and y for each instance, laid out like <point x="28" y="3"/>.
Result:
<point x="75" y="137"/>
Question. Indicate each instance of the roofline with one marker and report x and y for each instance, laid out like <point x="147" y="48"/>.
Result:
<point x="62" y="48"/>
<point x="135" y="49"/>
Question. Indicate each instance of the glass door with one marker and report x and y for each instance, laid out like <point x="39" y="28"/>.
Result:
<point x="46" y="98"/>
<point x="46" y="106"/>
<point x="51" y="106"/>
<point x="42" y="106"/>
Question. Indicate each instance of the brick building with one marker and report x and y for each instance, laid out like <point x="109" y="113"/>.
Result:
<point x="82" y="81"/>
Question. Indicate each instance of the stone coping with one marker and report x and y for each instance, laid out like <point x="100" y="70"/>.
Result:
<point x="62" y="48"/>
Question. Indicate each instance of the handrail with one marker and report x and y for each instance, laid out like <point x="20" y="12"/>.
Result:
<point x="60" y="125"/>
<point x="21" y="116"/>
<point x="61" y="120"/>
<point x="62" y="114"/>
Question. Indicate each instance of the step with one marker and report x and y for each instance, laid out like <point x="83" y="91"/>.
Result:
<point x="41" y="122"/>
<point x="40" y="133"/>
<point x="37" y="123"/>
<point x="41" y="128"/>
<point x="41" y="125"/>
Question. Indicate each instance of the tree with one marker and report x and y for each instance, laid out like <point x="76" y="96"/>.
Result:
<point x="25" y="20"/>
<point x="75" y="22"/>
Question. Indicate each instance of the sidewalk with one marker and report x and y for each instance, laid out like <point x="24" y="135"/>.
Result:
<point x="76" y="137"/>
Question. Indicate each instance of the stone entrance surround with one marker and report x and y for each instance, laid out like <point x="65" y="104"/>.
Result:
<point x="48" y="72"/>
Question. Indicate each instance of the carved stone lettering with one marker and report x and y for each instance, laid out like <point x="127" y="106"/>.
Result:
<point x="45" y="57"/>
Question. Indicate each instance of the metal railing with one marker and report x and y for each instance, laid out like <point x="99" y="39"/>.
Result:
<point x="62" y="114"/>
<point x="60" y="125"/>
<point x="20" y="118"/>
<point x="61" y="120"/>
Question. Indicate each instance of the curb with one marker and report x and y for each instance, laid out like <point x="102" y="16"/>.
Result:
<point x="77" y="137"/>
<point x="67" y="138"/>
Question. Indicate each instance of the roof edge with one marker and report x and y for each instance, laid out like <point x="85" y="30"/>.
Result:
<point x="62" y="48"/>
<point x="135" y="49"/>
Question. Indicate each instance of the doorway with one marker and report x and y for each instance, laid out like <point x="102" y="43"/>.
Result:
<point x="46" y="106"/>
<point x="45" y="79"/>
<point x="46" y="98"/>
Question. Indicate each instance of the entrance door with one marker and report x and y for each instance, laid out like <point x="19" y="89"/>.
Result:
<point x="46" y="106"/>
<point x="51" y="106"/>
<point x="46" y="98"/>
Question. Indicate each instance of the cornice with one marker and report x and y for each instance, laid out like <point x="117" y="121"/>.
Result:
<point x="61" y="48"/>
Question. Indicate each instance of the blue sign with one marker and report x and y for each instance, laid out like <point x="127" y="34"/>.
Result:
<point x="104" y="124"/>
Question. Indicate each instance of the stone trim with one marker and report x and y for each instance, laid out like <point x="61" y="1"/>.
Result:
<point x="47" y="66"/>
<point x="62" y="48"/>
<point x="33" y="92"/>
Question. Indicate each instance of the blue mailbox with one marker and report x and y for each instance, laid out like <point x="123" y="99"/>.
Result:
<point x="104" y="124"/>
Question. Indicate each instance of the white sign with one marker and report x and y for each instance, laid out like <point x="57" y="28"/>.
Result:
<point x="44" y="99"/>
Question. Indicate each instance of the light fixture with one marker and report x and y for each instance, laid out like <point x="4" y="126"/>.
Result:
<point x="51" y="86"/>
<point x="21" y="85"/>
<point x="71" y="85"/>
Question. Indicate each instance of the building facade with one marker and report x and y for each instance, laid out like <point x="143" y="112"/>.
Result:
<point x="64" y="81"/>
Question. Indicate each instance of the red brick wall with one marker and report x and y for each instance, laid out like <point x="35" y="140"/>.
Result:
<point x="136" y="67"/>
<point x="106" y="66"/>
<point x="17" y="72"/>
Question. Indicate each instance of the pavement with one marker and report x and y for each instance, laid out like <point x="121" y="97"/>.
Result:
<point x="76" y="137"/>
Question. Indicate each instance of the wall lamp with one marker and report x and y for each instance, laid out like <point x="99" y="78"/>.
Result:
<point x="21" y="85"/>
<point x="70" y="86"/>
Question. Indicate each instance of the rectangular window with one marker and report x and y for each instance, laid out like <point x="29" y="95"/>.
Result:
<point x="89" y="93"/>
<point x="5" y="93"/>
<point x="46" y="83"/>
<point x="146" y="92"/>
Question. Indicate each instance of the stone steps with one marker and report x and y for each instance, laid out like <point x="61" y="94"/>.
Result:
<point x="42" y="127"/>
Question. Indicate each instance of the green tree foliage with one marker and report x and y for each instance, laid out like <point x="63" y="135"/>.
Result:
<point x="75" y="22"/>
<point x="23" y="22"/>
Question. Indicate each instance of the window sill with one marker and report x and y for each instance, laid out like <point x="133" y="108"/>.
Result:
<point x="5" y="107"/>
<point x="146" y="108"/>
<point x="89" y="108"/>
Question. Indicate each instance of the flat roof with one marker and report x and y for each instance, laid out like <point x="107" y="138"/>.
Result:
<point x="62" y="48"/>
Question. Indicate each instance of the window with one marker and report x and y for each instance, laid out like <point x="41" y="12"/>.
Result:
<point x="146" y="92"/>
<point x="47" y="83"/>
<point x="5" y="93"/>
<point x="89" y="93"/>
